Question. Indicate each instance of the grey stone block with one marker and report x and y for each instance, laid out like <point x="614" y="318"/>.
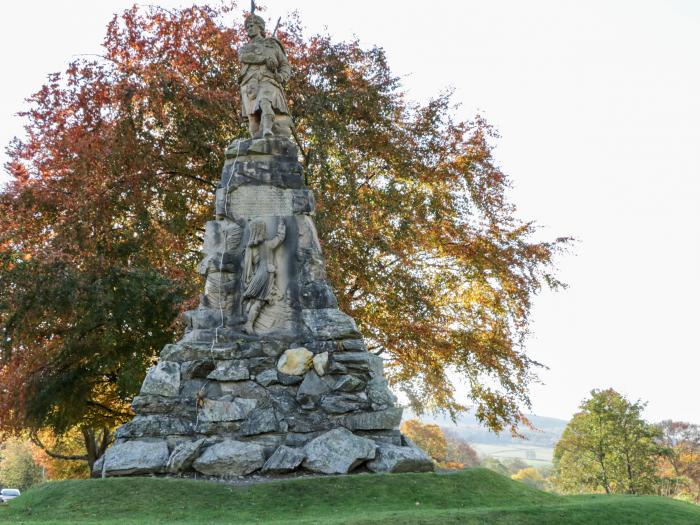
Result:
<point x="136" y="457"/>
<point x="391" y="437"/>
<point x="230" y="371"/>
<point x="285" y="459"/>
<point x="287" y="379"/>
<point x="337" y="451"/>
<point x="392" y="458"/>
<point x="162" y="379"/>
<point x="267" y="378"/>
<point x="155" y="425"/>
<point x="355" y="345"/>
<point x="317" y="294"/>
<point x="379" y="393"/>
<point x="348" y="383"/>
<point x="183" y="352"/>
<point x="340" y="402"/>
<point x="225" y="410"/>
<point x="352" y="360"/>
<point x="260" y="421"/>
<point x="183" y="456"/>
<point x="230" y="458"/>
<point x="329" y="323"/>
<point x="160" y="405"/>
<point x="383" y="419"/>
<point x="246" y="389"/>
<point x="312" y="388"/>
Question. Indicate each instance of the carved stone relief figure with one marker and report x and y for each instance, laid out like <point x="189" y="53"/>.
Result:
<point x="221" y="241"/>
<point x="259" y="270"/>
<point x="264" y="71"/>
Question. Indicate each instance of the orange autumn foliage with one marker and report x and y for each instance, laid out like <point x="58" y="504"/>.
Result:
<point x="115" y="176"/>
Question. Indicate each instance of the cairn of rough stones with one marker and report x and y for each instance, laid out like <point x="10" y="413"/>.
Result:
<point x="270" y="376"/>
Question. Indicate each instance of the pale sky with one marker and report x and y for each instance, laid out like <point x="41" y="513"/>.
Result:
<point x="598" y="106"/>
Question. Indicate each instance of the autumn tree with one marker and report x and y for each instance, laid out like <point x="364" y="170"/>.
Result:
<point x="607" y="446"/>
<point x="680" y="467"/>
<point x="531" y="476"/>
<point x="428" y="437"/>
<point x="100" y="224"/>
<point x="52" y="453"/>
<point x="18" y="469"/>
<point x="77" y="342"/>
<point x="460" y="453"/>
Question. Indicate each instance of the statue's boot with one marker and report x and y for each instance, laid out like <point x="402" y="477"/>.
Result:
<point x="267" y="121"/>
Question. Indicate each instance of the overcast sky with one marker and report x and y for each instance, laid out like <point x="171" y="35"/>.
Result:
<point x="598" y="106"/>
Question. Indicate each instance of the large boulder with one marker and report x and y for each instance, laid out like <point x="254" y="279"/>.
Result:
<point x="295" y="361"/>
<point x="392" y="458"/>
<point x="184" y="455"/>
<point x="136" y="457"/>
<point x="285" y="459"/>
<point x="337" y="451"/>
<point x="230" y="458"/>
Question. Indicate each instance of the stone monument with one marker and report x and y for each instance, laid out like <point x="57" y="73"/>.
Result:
<point x="270" y="377"/>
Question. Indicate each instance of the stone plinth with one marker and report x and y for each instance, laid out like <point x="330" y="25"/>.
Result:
<point x="270" y="376"/>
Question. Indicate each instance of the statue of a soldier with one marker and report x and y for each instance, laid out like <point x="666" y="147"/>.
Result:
<point x="264" y="71"/>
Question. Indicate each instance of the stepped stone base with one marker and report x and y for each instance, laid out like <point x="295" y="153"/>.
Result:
<point x="228" y="410"/>
<point x="270" y="376"/>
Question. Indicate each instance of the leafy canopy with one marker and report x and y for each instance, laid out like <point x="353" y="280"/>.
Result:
<point x="101" y="222"/>
<point x="680" y="467"/>
<point x="17" y="467"/>
<point x="429" y="437"/>
<point x="607" y="446"/>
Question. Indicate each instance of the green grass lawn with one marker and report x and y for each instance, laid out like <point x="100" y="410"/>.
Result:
<point x="474" y="496"/>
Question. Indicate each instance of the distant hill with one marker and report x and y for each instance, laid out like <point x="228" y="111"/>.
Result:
<point x="537" y="445"/>
<point x="547" y="433"/>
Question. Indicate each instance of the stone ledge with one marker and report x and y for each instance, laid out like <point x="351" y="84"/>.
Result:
<point x="276" y="146"/>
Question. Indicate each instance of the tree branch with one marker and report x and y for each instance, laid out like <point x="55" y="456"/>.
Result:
<point x="171" y="174"/>
<point x="35" y="439"/>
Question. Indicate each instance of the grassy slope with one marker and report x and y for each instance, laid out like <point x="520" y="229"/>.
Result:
<point x="471" y="496"/>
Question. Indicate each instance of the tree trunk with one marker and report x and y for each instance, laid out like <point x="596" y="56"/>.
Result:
<point x="630" y="478"/>
<point x="95" y="443"/>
